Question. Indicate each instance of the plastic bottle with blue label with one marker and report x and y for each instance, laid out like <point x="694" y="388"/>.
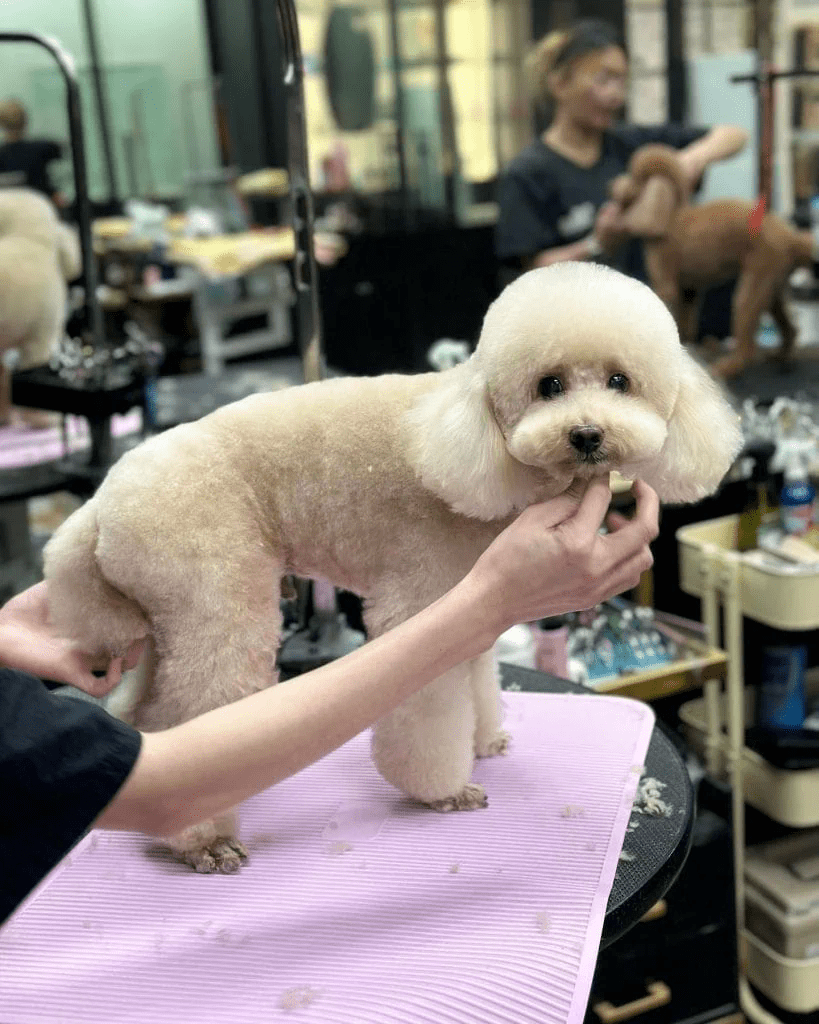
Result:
<point x="797" y="497"/>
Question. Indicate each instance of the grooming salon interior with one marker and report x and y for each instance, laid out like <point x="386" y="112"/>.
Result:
<point x="205" y="202"/>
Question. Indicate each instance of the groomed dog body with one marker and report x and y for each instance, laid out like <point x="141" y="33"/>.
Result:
<point x="391" y="487"/>
<point x="700" y="247"/>
<point x="38" y="255"/>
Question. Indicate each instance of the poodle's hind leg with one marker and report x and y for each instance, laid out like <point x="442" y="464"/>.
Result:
<point x="787" y="330"/>
<point x="425" y="747"/>
<point x="212" y="648"/>
<point x="490" y="738"/>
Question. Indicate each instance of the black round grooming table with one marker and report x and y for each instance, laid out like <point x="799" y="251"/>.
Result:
<point x="659" y="845"/>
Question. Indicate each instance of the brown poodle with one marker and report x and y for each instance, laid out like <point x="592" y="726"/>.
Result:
<point x="390" y="487"/>
<point x="691" y="248"/>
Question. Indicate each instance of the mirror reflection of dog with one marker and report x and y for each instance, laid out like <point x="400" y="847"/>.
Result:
<point x="38" y="256"/>
<point x="690" y="249"/>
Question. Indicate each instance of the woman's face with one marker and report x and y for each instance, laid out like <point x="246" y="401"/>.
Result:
<point x="592" y="91"/>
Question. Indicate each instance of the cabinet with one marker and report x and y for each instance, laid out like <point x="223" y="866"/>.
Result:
<point x="744" y="585"/>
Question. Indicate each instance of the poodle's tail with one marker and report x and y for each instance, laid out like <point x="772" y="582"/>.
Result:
<point x="83" y="604"/>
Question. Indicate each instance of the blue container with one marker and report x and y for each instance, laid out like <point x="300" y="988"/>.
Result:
<point x="796" y="502"/>
<point x="781" y="693"/>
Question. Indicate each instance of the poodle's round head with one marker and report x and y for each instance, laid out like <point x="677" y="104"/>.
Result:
<point x="579" y="371"/>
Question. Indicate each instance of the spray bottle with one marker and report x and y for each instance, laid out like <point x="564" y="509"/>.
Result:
<point x="797" y="497"/>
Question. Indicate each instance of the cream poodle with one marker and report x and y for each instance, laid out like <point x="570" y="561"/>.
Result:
<point x="38" y="254"/>
<point x="388" y="486"/>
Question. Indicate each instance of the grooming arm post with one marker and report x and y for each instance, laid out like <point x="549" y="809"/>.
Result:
<point x="712" y="690"/>
<point x="308" y="317"/>
<point x="89" y="268"/>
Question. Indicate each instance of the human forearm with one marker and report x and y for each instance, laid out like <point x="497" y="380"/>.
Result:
<point x="720" y="143"/>
<point x="208" y="765"/>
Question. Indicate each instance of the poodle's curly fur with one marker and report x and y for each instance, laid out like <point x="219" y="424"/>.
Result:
<point x="38" y="254"/>
<point x="388" y="486"/>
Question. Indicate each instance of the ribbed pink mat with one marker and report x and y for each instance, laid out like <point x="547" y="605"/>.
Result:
<point x="22" y="446"/>
<point x="357" y="907"/>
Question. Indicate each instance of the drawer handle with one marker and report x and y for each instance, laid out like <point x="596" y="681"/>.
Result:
<point x="660" y="909"/>
<point x="659" y="994"/>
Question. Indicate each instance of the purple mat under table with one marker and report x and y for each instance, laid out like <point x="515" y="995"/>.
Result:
<point x="357" y="906"/>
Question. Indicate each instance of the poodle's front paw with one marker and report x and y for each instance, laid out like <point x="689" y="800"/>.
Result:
<point x="499" y="744"/>
<point x="471" y="797"/>
<point x="222" y="856"/>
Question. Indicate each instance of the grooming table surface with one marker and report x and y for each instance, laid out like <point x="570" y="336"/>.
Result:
<point x="357" y="907"/>
<point x="23" y="446"/>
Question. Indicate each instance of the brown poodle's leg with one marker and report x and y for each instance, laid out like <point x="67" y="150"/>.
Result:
<point x="782" y="319"/>
<point x="753" y="294"/>
<point x="664" y="278"/>
<point x="490" y="738"/>
<point x="213" y="647"/>
<point x="689" y="318"/>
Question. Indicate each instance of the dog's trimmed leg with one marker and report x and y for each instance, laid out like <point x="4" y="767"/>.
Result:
<point x="753" y="294"/>
<point x="207" y="657"/>
<point x="787" y="331"/>
<point x="689" y="321"/>
<point x="426" y="746"/>
<point x="490" y="738"/>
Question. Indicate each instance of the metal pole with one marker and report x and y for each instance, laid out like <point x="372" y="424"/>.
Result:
<point x="675" y="60"/>
<point x="400" y="115"/>
<point x="100" y="99"/>
<point x="89" y="267"/>
<point x="308" y="317"/>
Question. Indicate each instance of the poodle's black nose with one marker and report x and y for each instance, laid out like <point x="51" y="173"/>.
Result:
<point x="586" y="440"/>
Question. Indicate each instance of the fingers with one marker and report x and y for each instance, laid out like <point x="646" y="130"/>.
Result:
<point x="591" y="512"/>
<point x="553" y="512"/>
<point x="630" y="535"/>
<point x="625" y="576"/>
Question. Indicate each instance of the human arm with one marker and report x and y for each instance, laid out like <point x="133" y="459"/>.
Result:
<point x="549" y="561"/>
<point x="697" y="147"/>
<point x="719" y="143"/>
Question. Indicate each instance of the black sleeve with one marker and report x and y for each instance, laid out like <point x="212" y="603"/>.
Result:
<point x="677" y="135"/>
<point x="527" y="218"/>
<point x="62" y="761"/>
<point x="51" y="151"/>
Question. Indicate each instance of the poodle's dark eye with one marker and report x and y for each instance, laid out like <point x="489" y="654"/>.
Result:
<point x="550" y="387"/>
<point x="619" y="382"/>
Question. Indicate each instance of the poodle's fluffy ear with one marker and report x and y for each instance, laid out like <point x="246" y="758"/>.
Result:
<point x="703" y="440"/>
<point x="459" y="451"/>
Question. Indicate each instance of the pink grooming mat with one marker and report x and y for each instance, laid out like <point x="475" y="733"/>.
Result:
<point x="357" y="907"/>
<point x="24" y="446"/>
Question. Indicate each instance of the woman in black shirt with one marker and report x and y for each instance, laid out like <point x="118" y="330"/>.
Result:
<point x="553" y="197"/>
<point x="24" y="162"/>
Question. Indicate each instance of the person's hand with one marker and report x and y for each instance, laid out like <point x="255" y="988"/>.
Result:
<point x="29" y="643"/>
<point x="610" y="229"/>
<point x="552" y="559"/>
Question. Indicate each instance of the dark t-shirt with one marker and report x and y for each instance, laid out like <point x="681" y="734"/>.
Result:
<point x="29" y="158"/>
<point x="547" y="200"/>
<point x="62" y="761"/>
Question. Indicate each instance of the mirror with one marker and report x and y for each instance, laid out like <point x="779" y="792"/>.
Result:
<point x="349" y="65"/>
